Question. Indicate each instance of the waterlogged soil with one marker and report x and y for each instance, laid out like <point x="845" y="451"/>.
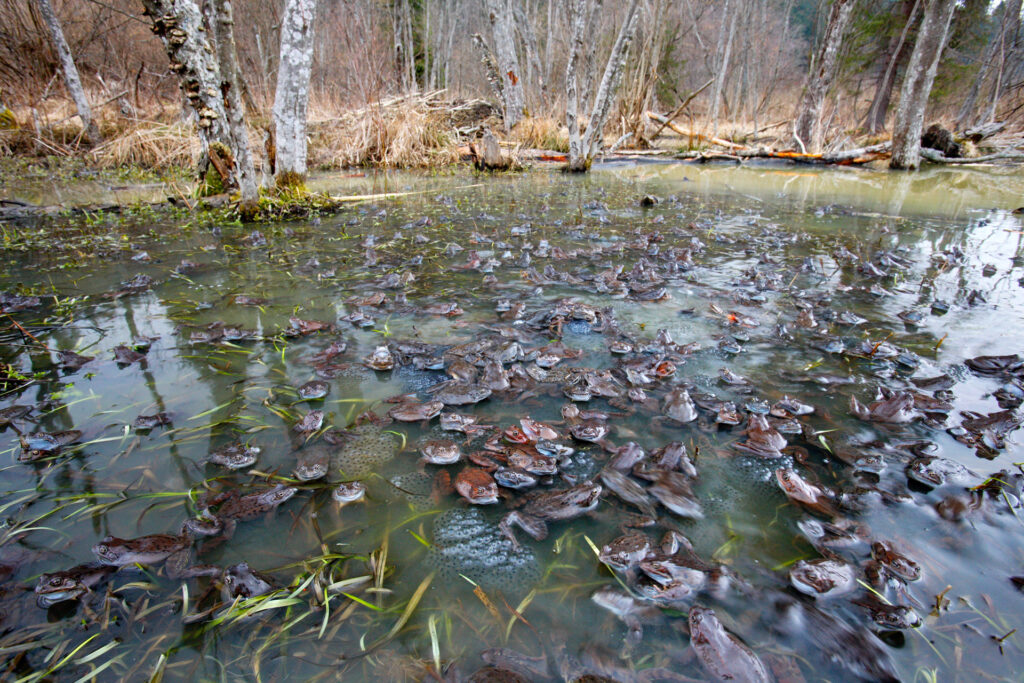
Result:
<point x="778" y="433"/>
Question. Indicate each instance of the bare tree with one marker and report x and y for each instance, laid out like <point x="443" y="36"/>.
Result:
<point x="966" y="115"/>
<point x="808" y="129"/>
<point x="721" y="68"/>
<point x="583" y="150"/>
<point x="897" y="51"/>
<point x="71" y="78"/>
<point x="500" y="15"/>
<point x="291" y="99"/>
<point x="917" y="83"/>
<point x="179" y="25"/>
<point x="231" y="91"/>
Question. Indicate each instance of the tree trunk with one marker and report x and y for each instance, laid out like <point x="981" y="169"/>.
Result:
<point x="71" y="79"/>
<point x="577" y="18"/>
<point x="230" y="87"/>
<point x="809" y="130"/>
<point x="582" y="153"/>
<point x="529" y="38"/>
<point x="917" y="83"/>
<point x="725" y="37"/>
<point x="179" y="25"/>
<point x="897" y="52"/>
<point x="291" y="99"/>
<point x="500" y="16"/>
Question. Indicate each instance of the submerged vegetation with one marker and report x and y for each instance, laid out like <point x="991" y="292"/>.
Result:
<point x="409" y="439"/>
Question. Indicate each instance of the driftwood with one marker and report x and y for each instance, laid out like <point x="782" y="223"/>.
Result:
<point x="986" y="130"/>
<point x="936" y="157"/>
<point x="851" y="157"/>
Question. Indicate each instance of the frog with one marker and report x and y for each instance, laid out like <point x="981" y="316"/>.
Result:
<point x="804" y="493"/>
<point x="463" y="394"/>
<point x="240" y="581"/>
<point x="514" y="478"/>
<point x="542" y="508"/>
<point x="312" y="462"/>
<point x="673" y="490"/>
<point x="71" y="584"/>
<point x="414" y="411"/>
<point x="677" y="405"/>
<point x="234" y="456"/>
<point x="936" y="471"/>
<point x="722" y="654"/>
<point x="236" y="508"/>
<point x="823" y="578"/>
<point x="894" y="561"/>
<point x="888" y="615"/>
<point x="592" y="430"/>
<point x="476" y="486"/>
<point x="532" y="461"/>
<point x="349" y="492"/>
<point x="313" y="390"/>
<point x="152" y="549"/>
<point x="626" y="551"/>
<point x="381" y="359"/>
<point x="440" y="451"/>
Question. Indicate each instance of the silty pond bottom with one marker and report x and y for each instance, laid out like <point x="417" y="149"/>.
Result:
<point x="657" y="423"/>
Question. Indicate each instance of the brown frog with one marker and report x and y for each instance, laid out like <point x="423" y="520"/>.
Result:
<point x="440" y="451"/>
<point x="823" y="578"/>
<point x="414" y="411"/>
<point x="626" y="551"/>
<point x="71" y="584"/>
<point x="240" y="581"/>
<point x="476" y="486"/>
<point x="721" y="653"/>
<point x="235" y="455"/>
<point x="236" y="508"/>
<point x="542" y="508"/>
<point x="312" y="462"/>
<point x="152" y="549"/>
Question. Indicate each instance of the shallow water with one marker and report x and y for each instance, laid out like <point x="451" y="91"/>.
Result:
<point x="763" y="243"/>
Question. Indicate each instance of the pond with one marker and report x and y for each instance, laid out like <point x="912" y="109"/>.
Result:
<point x="769" y="411"/>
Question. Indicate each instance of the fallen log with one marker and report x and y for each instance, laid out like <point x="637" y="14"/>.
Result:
<point x="654" y="116"/>
<point x="678" y="110"/>
<point x="861" y="155"/>
<point x="937" y="157"/>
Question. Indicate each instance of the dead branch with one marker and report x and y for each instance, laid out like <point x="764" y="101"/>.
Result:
<point x="937" y="158"/>
<point x="693" y="134"/>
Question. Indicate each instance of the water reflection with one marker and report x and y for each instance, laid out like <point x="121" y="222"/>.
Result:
<point x="752" y="288"/>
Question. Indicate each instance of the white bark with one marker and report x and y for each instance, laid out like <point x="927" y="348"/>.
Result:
<point x="291" y="99"/>
<point x="725" y="36"/>
<point x="500" y="15"/>
<point x="577" y="19"/>
<point x="71" y="78"/>
<point x="232" y="93"/>
<point x="917" y="83"/>
<point x="590" y="145"/>
<point x="179" y="25"/>
<point x="809" y="129"/>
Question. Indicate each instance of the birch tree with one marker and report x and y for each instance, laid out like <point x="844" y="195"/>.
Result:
<point x="179" y="25"/>
<point x="499" y="13"/>
<point x="70" y="71"/>
<point x="231" y="91"/>
<point x="896" y="51"/>
<point x="291" y="99"/>
<point x="808" y="129"/>
<point x="917" y="83"/>
<point x="583" y="149"/>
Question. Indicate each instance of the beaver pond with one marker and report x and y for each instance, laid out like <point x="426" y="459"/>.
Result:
<point x="659" y="423"/>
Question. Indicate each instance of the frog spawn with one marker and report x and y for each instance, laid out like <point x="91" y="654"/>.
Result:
<point x="465" y="543"/>
<point x="364" y="449"/>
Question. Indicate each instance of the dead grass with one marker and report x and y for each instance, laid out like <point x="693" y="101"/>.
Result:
<point x="541" y="132"/>
<point x="413" y="131"/>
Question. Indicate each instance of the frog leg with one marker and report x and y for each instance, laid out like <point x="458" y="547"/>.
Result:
<point x="176" y="563"/>
<point x="534" y="526"/>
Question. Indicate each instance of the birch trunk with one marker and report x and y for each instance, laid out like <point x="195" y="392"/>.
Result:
<point x="897" y="50"/>
<point x="917" y="83"/>
<point x="500" y="15"/>
<point x="577" y="18"/>
<point x="809" y="130"/>
<point x="179" y="25"/>
<point x="230" y="88"/>
<point x="589" y="146"/>
<point x="529" y="38"/>
<point x="722" y="65"/>
<point x="71" y="79"/>
<point x="291" y="99"/>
